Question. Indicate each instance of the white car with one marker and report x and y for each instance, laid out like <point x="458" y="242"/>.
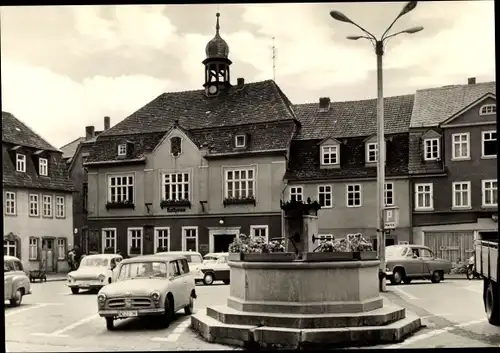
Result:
<point x="94" y="272"/>
<point x="215" y="268"/>
<point x="194" y="259"/>
<point x="148" y="286"/>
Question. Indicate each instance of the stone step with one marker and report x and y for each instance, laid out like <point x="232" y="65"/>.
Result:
<point x="279" y="337"/>
<point x="378" y="317"/>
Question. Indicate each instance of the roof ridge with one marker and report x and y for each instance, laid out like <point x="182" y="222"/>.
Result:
<point x="457" y="86"/>
<point x="358" y="100"/>
<point x="69" y="143"/>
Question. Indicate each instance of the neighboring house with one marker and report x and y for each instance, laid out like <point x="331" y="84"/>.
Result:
<point x="37" y="192"/>
<point x="453" y="166"/>
<point x="191" y="170"/>
<point x="75" y="156"/>
<point x="334" y="160"/>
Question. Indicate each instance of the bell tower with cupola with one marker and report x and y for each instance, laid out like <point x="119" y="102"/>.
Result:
<point x="217" y="64"/>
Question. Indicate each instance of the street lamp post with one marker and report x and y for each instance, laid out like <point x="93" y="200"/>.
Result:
<point x="378" y="45"/>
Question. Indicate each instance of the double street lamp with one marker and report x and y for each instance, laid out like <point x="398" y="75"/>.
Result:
<point x="378" y="45"/>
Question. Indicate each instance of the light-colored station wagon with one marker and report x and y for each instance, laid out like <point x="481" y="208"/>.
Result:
<point x="94" y="272"/>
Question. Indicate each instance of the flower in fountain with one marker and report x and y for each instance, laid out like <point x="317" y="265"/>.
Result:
<point x="352" y="242"/>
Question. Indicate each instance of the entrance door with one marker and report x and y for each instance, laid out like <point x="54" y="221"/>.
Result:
<point x="222" y="241"/>
<point x="48" y="254"/>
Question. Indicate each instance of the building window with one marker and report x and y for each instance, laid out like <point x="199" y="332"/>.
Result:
<point x="189" y="238"/>
<point x="135" y="241"/>
<point x="488" y="109"/>
<point x="85" y="196"/>
<point x="60" y="207"/>
<point x="20" y="162"/>
<point x="260" y="231"/>
<point x="431" y="149"/>
<point x="490" y="193"/>
<point x="176" y="186"/>
<point x="371" y="152"/>
<point x="43" y="167"/>
<point x="325" y="195"/>
<point x="240" y="183"/>
<point x="461" y="194"/>
<point x="423" y="197"/>
<point x="10" y="203"/>
<point x="175" y="146"/>
<point x="353" y="195"/>
<point x="162" y="239"/>
<point x="109" y="239"/>
<point x="61" y="248"/>
<point x="9" y="248"/>
<point x="33" y="251"/>
<point x="34" y="211"/>
<point x="296" y="193"/>
<point x="389" y="194"/>
<point x="47" y="205"/>
<point x="240" y="140"/>
<point x="489" y="145"/>
<point x="329" y="155"/>
<point x="121" y="189"/>
<point x="122" y="149"/>
<point x="460" y="148"/>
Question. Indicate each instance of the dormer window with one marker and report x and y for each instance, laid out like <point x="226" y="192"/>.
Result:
<point x="122" y="149"/>
<point x="175" y="146"/>
<point x="21" y="162"/>
<point x="371" y="152"/>
<point x="43" y="167"/>
<point x="240" y="140"/>
<point x="431" y="149"/>
<point x="329" y="155"/>
<point x="488" y="109"/>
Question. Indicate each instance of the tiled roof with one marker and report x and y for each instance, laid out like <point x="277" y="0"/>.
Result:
<point x="16" y="132"/>
<point x="253" y="103"/>
<point x="435" y="105"/>
<point x="305" y="159"/>
<point x="69" y="149"/>
<point x="353" y="118"/>
<point x="57" y="179"/>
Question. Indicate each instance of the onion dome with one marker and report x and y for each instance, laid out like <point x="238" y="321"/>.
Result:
<point x="217" y="47"/>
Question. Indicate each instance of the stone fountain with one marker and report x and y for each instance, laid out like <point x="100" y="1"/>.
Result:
<point x="304" y="301"/>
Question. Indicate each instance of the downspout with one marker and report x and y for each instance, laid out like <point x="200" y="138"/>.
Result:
<point x="410" y="188"/>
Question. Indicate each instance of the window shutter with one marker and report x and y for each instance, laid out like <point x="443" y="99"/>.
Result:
<point x="65" y="248"/>
<point x="18" y="248"/>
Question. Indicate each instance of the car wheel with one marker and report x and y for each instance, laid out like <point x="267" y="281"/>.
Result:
<point x="491" y="305"/>
<point x="397" y="276"/>
<point x="226" y="281"/>
<point x="436" y="277"/>
<point x="110" y="323"/>
<point x="188" y="310"/>
<point x="169" y="314"/>
<point x="407" y="280"/>
<point x="208" y="279"/>
<point x="75" y="290"/>
<point x="470" y="273"/>
<point x="17" y="299"/>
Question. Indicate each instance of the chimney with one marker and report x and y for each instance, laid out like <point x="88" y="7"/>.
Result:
<point x="324" y="104"/>
<point x="107" y="123"/>
<point x="240" y="81"/>
<point x="89" y="132"/>
<point x="471" y="80"/>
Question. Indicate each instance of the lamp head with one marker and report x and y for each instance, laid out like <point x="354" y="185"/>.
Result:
<point x="339" y="16"/>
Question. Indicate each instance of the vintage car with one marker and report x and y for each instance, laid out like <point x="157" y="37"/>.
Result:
<point x="94" y="272"/>
<point x="407" y="262"/>
<point x="194" y="259"/>
<point x="16" y="283"/>
<point x="148" y="286"/>
<point x="215" y="268"/>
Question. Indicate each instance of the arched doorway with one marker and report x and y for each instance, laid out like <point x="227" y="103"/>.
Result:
<point x="12" y="245"/>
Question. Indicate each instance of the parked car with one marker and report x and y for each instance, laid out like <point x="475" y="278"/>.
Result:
<point x="151" y="285"/>
<point x="94" y="272"/>
<point x="194" y="259"/>
<point x="16" y="283"/>
<point x="215" y="268"/>
<point x="407" y="262"/>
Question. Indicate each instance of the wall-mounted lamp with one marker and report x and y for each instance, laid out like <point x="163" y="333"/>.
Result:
<point x="221" y="221"/>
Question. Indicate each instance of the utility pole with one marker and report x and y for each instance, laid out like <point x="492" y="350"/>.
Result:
<point x="274" y="61"/>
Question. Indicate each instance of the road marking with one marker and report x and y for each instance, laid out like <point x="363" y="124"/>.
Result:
<point x="61" y="332"/>
<point x="435" y="315"/>
<point x="405" y="293"/>
<point x="34" y="306"/>
<point x="470" y="323"/>
<point x="474" y="289"/>
<point x="170" y="338"/>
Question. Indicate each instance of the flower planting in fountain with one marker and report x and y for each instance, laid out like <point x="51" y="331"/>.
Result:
<point x="246" y="248"/>
<point x="352" y="243"/>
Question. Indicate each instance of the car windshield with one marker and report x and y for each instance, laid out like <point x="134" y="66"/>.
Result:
<point x="196" y="259"/>
<point x="395" y="251"/>
<point x="89" y="261"/>
<point x="145" y="269"/>
<point x="210" y="259"/>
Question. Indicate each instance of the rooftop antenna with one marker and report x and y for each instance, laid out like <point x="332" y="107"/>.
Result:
<point x="274" y="61"/>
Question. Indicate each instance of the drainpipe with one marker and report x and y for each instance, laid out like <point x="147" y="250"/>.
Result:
<point x="410" y="188"/>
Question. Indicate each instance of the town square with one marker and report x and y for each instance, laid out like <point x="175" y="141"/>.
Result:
<point x="209" y="177"/>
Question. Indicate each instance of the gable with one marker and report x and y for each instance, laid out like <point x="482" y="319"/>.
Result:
<point x="471" y="115"/>
<point x="329" y="141"/>
<point x="431" y="134"/>
<point x="175" y="131"/>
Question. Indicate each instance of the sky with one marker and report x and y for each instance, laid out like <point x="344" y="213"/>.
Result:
<point x="66" y="67"/>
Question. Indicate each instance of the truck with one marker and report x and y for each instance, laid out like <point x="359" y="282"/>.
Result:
<point x="487" y="265"/>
